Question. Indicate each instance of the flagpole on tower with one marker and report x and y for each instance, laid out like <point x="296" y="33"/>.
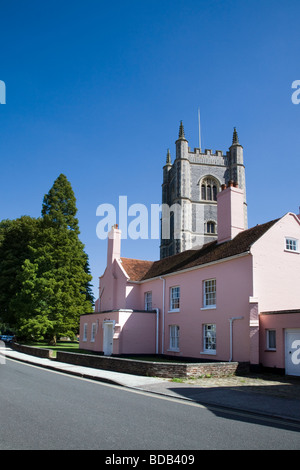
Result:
<point x="199" y="129"/>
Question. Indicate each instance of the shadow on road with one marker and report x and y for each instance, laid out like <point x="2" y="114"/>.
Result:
<point x="274" y="405"/>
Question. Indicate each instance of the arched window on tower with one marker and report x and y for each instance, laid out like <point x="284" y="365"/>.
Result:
<point x="209" y="189"/>
<point x="211" y="227"/>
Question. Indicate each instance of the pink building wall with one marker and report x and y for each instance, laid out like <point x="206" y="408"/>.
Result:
<point x="233" y="282"/>
<point x="97" y="319"/>
<point x="130" y="332"/>
<point x="276" y="270"/>
<point x="234" y="286"/>
<point x="263" y="280"/>
<point x="280" y="323"/>
<point x="276" y="274"/>
<point x="112" y="289"/>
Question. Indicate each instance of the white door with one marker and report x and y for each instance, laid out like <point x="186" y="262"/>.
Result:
<point x="292" y="351"/>
<point x="108" y="338"/>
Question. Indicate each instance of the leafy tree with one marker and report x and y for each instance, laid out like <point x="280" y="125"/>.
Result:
<point x="55" y="278"/>
<point x="4" y="226"/>
<point x="15" y="238"/>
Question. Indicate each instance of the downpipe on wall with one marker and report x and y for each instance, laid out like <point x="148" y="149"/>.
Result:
<point x="157" y="327"/>
<point x="163" y="317"/>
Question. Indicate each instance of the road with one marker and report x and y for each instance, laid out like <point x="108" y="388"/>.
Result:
<point x="45" y="410"/>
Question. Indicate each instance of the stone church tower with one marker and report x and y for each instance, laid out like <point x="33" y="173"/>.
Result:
<point x="189" y="193"/>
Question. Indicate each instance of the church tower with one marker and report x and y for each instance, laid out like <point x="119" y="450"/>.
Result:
<point x="189" y="193"/>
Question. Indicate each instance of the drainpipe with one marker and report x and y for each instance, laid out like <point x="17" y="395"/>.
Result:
<point x="163" y="317"/>
<point x="231" y="320"/>
<point x="157" y="326"/>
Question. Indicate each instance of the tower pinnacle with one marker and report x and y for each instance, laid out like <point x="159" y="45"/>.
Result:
<point x="235" y="138"/>
<point x="168" y="161"/>
<point x="181" y="131"/>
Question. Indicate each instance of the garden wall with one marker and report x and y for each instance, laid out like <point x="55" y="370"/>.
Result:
<point x="32" y="351"/>
<point x="147" y="368"/>
<point x="138" y="367"/>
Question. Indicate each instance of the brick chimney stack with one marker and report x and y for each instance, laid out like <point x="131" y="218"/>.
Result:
<point x="114" y="244"/>
<point x="231" y="219"/>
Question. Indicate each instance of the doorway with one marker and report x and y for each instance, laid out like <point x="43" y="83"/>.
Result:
<point x="108" y="331"/>
<point x="292" y="351"/>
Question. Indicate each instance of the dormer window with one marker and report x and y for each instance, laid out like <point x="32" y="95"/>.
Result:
<point x="291" y="244"/>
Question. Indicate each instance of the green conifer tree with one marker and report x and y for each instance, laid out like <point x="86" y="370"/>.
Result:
<point x="55" y="279"/>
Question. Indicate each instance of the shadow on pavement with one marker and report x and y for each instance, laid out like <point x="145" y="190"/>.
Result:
<point x="268" y="405"/>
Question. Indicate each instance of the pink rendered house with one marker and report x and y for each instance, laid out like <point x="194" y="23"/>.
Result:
<point x="234" y="299"/>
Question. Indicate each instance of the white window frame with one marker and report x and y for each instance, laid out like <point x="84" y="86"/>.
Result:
<point x="93" y="332"/>
<point x="174" y="300"/>
<point x="174" y="337"/>
<point x="291" y="245"/>
<point x="208" y="285"/>
<point x="148" y="300"/>
<point x="209" y="336"/>
<point x="268" y="332"/>
<point x="85" y="328"/>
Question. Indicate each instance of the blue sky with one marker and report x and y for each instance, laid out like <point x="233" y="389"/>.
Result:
<point x="96" y="90"/>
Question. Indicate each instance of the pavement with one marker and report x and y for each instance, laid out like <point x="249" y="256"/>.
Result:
<point x="268" y="396"/>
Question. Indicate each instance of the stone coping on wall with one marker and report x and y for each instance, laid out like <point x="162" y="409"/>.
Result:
<point x="137" y="367"/>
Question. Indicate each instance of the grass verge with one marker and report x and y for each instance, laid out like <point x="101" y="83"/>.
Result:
<point x="66" y="346"/>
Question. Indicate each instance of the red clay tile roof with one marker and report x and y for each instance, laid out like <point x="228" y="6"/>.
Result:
<point x="139" y="270"/>
<point x="135" y="268"/>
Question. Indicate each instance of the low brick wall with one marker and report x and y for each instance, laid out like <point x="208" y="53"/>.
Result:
<point x="32" y="351"/>
<point x="137" y="367"/>
<point x="147" y="368"/>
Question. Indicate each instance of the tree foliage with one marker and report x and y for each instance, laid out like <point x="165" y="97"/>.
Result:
<point x="53" y="279"/>
<point x="59" y="205"/>
<point x="15" y="239"/>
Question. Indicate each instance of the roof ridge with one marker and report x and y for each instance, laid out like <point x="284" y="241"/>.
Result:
<point x="137" y="259"/>
<point x="210" y="252"/>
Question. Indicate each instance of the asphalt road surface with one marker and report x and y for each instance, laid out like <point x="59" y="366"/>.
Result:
<point x="45" y="410"/>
